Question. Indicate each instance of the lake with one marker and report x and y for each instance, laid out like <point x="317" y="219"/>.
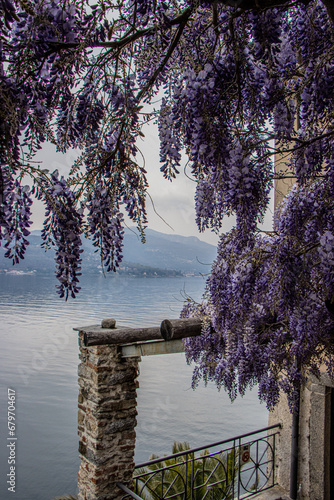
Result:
<point x="39" y="359"/>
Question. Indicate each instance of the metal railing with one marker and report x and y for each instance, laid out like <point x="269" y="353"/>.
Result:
<point x="231" y="469"/>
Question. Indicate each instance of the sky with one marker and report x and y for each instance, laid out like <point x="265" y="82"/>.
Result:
<point x="173" y="207"/>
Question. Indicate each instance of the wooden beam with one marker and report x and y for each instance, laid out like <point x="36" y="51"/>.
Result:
<point x="96" y="335"/>
<point x="180" y="328"/>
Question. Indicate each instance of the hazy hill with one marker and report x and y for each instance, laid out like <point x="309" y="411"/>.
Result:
<point x="160" y="252"/>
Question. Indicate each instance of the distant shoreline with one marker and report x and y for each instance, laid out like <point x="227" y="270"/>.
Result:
<point x="125" y="270"/>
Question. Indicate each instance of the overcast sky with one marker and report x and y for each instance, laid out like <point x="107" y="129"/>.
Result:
<point x="173" y="201"/>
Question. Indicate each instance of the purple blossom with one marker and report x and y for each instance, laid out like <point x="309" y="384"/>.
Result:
<point x="106" y="226"/>
<point x="15" y="214"/>
<point x="228" y="91"/>
<point x="62" y="229"/>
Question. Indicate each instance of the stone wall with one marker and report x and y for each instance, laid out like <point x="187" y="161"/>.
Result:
<point x="314" y="440"/>
<point x="106" y="421"/>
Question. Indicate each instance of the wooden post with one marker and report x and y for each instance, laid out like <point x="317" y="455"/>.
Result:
<point x="180" y="328"/>
<point x="106" y="421"/>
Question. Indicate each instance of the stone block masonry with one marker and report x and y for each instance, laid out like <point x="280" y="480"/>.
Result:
<point x="315" y="439"/>
<point x="106" y="420"/>
<point x="107" y="399"/>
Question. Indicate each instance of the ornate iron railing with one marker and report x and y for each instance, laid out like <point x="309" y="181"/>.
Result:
<point x="231" y="469"/>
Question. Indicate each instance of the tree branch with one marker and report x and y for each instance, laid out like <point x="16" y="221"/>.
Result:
<point x="122" y="42"/>
<point x="170" y="51"/>
<point x="259" y="4"/>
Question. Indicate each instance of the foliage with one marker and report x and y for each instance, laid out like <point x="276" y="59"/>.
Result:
<point x="237" y="82"/>
<point x="186" y="476"/>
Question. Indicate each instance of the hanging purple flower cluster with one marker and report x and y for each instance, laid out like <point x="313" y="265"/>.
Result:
<point x="271" y="302"/>
<point x="170" y="145"/>
<point x="15" y="214"/>
<point x="89" y="114"/>
<point x="62" y="228"/>
<point x="105" y="226"/>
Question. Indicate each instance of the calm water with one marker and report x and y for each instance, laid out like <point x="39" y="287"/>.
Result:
<point x="39" y="358"/>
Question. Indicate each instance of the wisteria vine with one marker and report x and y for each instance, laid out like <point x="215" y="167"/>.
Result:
<point x="245" y="90"/>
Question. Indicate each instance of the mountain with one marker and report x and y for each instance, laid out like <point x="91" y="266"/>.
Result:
<point x="166" y="251"/>
<point x="162" y="254"/>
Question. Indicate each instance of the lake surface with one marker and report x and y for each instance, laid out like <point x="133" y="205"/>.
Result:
<point x="39" y="359"/>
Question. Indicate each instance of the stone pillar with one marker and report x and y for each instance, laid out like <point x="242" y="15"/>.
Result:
<point x="319" y="449"/>
<point x="314" y="440"/>
<point x="106" y="421"/>
<point x="282" y="415"/>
